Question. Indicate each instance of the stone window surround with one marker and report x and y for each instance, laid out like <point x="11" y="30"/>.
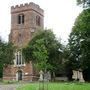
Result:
<point x="18" y="56"/>
<point x="21" y="19"/>
<point x="38" y="20"/>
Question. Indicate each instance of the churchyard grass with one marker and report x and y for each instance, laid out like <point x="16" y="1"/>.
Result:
<point x="8" y="82"/>
<point x="56" y="86"/>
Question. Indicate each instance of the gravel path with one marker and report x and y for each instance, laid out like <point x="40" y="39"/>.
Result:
<point x="9" y="87"/>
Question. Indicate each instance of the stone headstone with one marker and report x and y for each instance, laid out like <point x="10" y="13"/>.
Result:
<point x="78" y="75"/>
<point x="41" y="75"/>
<point x="47" y="76"/>
<point x="81" y="77"/>
<point x="75" y="74"/>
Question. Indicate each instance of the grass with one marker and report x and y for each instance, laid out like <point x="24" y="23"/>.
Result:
<point x="8" y="82"/>
<point x="56" y="86"/>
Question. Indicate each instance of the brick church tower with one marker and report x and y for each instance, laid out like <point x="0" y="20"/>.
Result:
<point x="25" y="20"/>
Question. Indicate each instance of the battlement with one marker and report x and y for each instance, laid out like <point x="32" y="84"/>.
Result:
<point x="26" y="6"/>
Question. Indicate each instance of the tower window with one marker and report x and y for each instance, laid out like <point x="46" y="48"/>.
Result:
<point x="38" y="23"/>
<point x="21" y="19"/>
<point x="19" y="60"/>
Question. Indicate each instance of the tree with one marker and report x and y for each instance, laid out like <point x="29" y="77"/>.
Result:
<point x="79" y="43"/>
<point x="67" y="63"/>
<point x="43" y="50"/>
<point x="84" y="3"/>
<point x="6" y="55"/>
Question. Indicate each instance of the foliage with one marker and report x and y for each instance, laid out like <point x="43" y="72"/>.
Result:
<point x="43" y="49"/>
<point x="67" y="63"/>
<point x="84" y="3"/>
<point x="79" y="41"/>
<point x="6" y="55"/>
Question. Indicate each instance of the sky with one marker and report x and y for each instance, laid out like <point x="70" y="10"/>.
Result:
<point x="59" y="15"/>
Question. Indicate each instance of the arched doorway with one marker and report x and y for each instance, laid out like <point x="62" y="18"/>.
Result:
<point x="19" y="75"/>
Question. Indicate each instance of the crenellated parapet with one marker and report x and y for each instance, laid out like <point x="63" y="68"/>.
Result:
<point x="26" y="7"/>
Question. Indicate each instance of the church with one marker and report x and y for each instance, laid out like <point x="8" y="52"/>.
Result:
<point x="25" y="21"/>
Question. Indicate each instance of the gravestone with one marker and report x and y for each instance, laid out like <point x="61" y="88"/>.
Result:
<point x="77" y="75"/>
<point x="41" y="78"/>
<point x="81" y="77"/>
<point x="47" y="76"/>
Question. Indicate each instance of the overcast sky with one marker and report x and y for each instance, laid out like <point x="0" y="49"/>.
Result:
<point x="59" y="15"/>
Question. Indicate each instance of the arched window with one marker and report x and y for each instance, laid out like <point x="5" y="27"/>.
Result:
<point x="38" y="21"/>
<point x="21" y="19"/>
<point x="19" y="59"/>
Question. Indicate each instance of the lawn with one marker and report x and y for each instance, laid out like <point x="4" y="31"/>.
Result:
<point x="56" y="86"/>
